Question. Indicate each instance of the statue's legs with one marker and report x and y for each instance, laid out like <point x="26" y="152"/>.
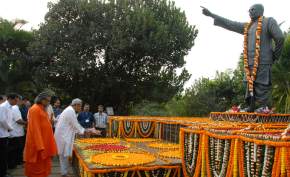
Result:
<point x="262" y="89"/>
<point x="262" y="96"/>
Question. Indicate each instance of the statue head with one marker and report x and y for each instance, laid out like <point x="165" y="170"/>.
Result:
<point x="256" y="11"/>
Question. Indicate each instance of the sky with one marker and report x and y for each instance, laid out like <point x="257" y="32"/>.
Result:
<point x="215" y="49"/>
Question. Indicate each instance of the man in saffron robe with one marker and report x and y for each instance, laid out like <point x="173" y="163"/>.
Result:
<point x="40" y="145"/>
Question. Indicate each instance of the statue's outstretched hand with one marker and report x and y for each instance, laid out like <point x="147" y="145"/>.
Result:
<point x="206" y="12"/>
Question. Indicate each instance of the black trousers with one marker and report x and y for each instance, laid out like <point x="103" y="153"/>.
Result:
<point x="262" y="95"/>
<point x="3" y="156"/>
<point x="15" y="151"/>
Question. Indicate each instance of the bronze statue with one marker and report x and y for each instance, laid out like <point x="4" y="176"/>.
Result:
<point x="259" y="54"/>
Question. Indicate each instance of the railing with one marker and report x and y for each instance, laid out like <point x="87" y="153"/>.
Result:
<point x="166" y="128"/>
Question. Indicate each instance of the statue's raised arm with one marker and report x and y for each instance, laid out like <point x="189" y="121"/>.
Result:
<point x="223" y="22"/>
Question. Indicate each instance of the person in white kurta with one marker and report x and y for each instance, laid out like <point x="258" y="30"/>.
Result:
<point x="66" y="129"/>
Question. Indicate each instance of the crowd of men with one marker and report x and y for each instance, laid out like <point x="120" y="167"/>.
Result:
<point x="32" y="134"/>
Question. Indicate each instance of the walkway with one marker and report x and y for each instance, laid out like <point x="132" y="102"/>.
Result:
<point x="55" y="171"/>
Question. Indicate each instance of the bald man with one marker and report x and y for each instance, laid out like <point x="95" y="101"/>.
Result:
<point x="270" y="32"/>
<point x="65" y="130"/>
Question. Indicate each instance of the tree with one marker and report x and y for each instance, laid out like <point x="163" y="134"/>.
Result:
<point x="207" y="95"/>
<point x="16" y="66"/>
<point x="281" y="79"/>
<point x="114" y="52"/>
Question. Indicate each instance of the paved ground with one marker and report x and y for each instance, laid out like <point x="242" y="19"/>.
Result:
<point x="19" y="171"/>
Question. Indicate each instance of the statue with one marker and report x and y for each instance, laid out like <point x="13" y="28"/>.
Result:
<point x="259" y="54"/>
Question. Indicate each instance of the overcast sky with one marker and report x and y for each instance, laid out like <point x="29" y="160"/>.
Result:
<point x="215" y="48"/>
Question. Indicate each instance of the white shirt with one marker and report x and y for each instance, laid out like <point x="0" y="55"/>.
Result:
<point x="101" y="120"/>
<point x="6" y="116"/>
<point x="18" y="130"/>
<point x="66" y="128"/>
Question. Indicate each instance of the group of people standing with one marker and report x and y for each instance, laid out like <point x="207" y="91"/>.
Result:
<point x="49" y="131"/>
<point x="13" y="120"/>
<point x="99" y="120"/>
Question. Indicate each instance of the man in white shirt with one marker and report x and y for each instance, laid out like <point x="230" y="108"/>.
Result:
<point x="101" y="121"/>
<point x="66" y="128"/>
<point x="6" y="117"/>
<point x="16" y="138"/>
<point x="2" y="99"/>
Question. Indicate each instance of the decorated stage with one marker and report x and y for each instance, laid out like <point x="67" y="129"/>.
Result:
<point x="127" y="158"/>
<point x="191" y="147"/>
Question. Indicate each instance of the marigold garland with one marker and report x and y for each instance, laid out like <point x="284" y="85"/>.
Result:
<point x="123" y="159"/>
<point x="98" y="141"/>
<point x="251" y="77"/>
<point x="146" y="131"/>
<point x="263" y="139"/>
<point x="106" y="147"/>
<point x="161" y="145"/>
<point x="171" y="154"/>
<point x="141" y="140"/>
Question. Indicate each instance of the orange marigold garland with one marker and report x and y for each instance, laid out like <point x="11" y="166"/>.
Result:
<point x="123" y="159"/>
<point x="288" y="161"/>
<point x="251" y="77"/>
<point x="141" y="140"/>
<point x="98" y="141"/>
<point x="171" y="154"/>
<point x="129" y="129"/>
<point x="161" y="145"/>
<point x="146" y="129"/>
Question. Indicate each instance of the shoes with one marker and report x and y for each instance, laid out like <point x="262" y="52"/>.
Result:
<point x="247" y="109"/>
<point x="264" y="110"/>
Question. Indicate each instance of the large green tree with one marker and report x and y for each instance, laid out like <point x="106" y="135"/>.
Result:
<point x="114" y="52"/>
<point x="281" y="79"/>
<point x="16" y="64"/>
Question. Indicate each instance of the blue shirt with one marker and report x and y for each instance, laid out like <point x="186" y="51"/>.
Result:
<point x="57" y="111"/>
<point x="24" y="111"/>
<point x="86" y="119"/>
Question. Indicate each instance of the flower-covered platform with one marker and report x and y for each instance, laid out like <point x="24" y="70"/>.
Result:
<point x="118" y="157"/>
<point x="249" y="117"/>
<point x="235" y="151"/>
<point x="190" y="147"/>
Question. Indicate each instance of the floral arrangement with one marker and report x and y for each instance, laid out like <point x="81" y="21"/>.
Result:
<point x="123" y="159"/>
<point x="170" y="154"/>
<point x="251" y="77"/>
<point x="106" y="147"/>
<point x="98" y="141"/>
<point x="249" y="117"/>
<point x="244" y="153"/>
<point x="161" y="145"/>
<point x="141" y="140"/>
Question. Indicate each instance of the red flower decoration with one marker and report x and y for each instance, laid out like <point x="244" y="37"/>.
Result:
<point x="106" y="147"/>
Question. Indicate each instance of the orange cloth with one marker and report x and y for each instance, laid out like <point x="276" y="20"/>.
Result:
<point x="40" y="145"/>
<point x="42" y="168"/>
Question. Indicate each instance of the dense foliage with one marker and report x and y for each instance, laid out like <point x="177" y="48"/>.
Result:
<point x="114" y="52"/>
<point x="16" y="64"/>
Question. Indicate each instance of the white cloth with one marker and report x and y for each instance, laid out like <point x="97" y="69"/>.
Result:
<point x="101" y="120"/>
<point x="66" y="128"/>
<point x="6" y="116"/>
<point x="18" y="130"/>
<point x="50" y="112"/>
<point x="64" y="164"/>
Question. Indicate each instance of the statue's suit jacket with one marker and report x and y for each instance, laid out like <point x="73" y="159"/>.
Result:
<point x="270" y="31"/>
